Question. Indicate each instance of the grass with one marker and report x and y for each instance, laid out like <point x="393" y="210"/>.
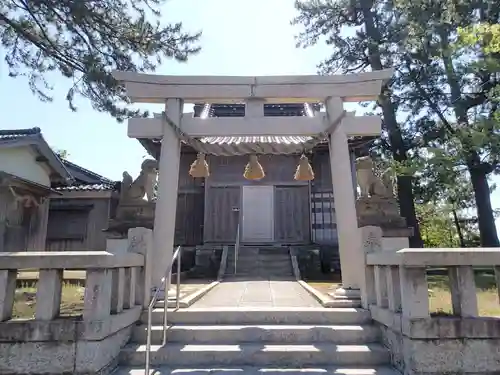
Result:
<point x="72" y="295"/>
<point x="486" y="289"/>
<point x="439" y="295"/>
<point x="71" y="301"/>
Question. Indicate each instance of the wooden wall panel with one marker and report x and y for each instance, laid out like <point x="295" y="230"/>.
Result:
<point x="189" y="219"/>
<point x="38" y="227"/>
<point x="98" y="221"/>
<point x="221" y="221"/>
<point x="13" y="229"/>
<point x="292" y="214"/>
<point x="190" y="210"/>
<point x="78" y="224"/>
<point x="279" y="169"/>
<point x="186" y="182"/>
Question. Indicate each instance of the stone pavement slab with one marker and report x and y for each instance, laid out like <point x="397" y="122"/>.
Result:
<point x="257" y="293"/>
<point x="244" y="370"/>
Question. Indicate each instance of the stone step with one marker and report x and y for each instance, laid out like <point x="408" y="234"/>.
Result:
<point x="270" y="264"/>
<point x="255" y="354"/>
<point x="259" y="256"/>
<point x="249" y="315"/>
<point x="260" y="270"/>
<point x="220" y="334"/>
<point x="246" y="370"/>
<point x="256" y="266"/>
<point x="266" y="265"/>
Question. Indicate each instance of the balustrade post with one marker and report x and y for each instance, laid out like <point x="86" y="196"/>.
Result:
<point x="7" y="293"/>
<point x="463" y="291"/>
<point x="137" y="296"/>
<point x="393" y="289"/>
<point x="97" y="300"/>
<point x="369" y="297"/>
<point x="141" y="242"/>
<point x="381" y="286"/>
<point x="48" y="294"/>
<point x="118" y="290"/>
<point x="371" y="238"/>
<point x="130" y="289"/>
<point x="414" y="292"/>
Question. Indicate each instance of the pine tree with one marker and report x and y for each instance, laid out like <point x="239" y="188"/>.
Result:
<point x="364" y="35"/>
<point x="448" y="91"/>
<point x="85" y="41"/>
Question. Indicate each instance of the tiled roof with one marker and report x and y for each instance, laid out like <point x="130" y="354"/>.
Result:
<point x="33" y="137"/>
<point x="86" y="180"/>
<point x="255" y="139"/>
<point x="7" y="134"/>
<point x="87" y="187"/>
<point x="92" y="176"/>
<point x="83" y="179"/>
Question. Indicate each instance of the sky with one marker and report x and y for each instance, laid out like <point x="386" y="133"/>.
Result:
<point x="240" y="37"/>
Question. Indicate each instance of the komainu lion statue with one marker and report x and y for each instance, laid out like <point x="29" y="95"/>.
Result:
<point x="369" y="183"/>
<point x="143" y="185"/>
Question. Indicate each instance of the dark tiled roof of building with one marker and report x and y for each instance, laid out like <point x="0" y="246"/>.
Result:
<point x="7" y="134"/>
<point x="33" y="137"/>
<point x="88" y="173"/>
<point x="83" y="179"/>
<point x="86" y="180"/>
<point x="87" y="187"/>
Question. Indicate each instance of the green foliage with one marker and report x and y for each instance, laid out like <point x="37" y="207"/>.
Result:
<point x="62" y="154"/>
<point x="85" y="41"/>
<point x="436" y="226"/>
<point x="444" y="90"/>
<point x="439" y="228"/>
<point x="448" y="89"/>
<point x="365" y="35"/>
<point x="484" y="36"/>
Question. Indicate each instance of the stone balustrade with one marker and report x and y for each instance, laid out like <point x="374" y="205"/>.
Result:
<point x="114" y="296"/>
<point x="110" y="284"/>
<point x="398" y="280"/>
<point x="397" y="294"/>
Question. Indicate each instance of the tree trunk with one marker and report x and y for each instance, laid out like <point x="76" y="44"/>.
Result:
<point x="478" y="173"/>
<point x="398" y="149"/>
<point x="459" y="228"/>
<point x="485" y="217"/>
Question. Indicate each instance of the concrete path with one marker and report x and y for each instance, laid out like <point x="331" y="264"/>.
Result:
<point x="257" y="293"/>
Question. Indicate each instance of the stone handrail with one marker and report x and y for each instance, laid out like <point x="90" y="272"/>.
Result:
<point x="117" y="287"/>
<point x="113" y="282"/>
<point x="397" y="281"/>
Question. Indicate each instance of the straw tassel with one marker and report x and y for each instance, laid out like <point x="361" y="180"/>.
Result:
<point x="304" y="170"/>
<point x="253" y="170"/>
<point x="199" y="168"/>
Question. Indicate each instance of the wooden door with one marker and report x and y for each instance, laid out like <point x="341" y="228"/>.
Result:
<point x="258" y="214"/>
<point x="221" y="215"/>
<point x="292" y="214"/>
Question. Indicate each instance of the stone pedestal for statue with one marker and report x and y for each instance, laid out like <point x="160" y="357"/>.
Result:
<point x="132" y="215"/>
<point x="383" y="212"/>
<point x="133" y="211"/>
<point x="377" y="205"/>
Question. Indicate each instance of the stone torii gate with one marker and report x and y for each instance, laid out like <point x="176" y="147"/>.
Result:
<point x="173" y="91"/>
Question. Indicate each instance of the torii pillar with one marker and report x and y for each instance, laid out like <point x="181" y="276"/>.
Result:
<point x="166" y="203"/>
<point x="344" y="200"/>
